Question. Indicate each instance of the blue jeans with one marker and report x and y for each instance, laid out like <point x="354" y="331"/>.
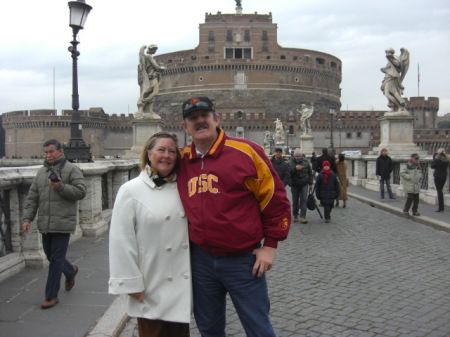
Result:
<point x="215" y="276"/>
<point x="55" y="248"/>
<point x="299" y="194"/>
<point x="388" y="186"/>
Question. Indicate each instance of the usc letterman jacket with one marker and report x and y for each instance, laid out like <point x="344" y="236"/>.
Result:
<point x="233" y="198"/>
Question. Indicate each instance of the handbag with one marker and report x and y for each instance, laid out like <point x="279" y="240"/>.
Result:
<point x="311" y="203"/>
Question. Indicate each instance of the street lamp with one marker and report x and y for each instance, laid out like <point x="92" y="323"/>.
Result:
<point x="287" y="141"/>
<point x="332" y="111"/>
<point x="76" y="149"/>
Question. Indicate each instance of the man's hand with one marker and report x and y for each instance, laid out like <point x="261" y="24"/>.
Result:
<point x="55" y="185"/>
<point x="26" y="226"/>
<point x="265" y="256"/>
<point x="138" y="296"/>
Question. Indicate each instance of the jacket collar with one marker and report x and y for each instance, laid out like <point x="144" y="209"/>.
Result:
<point x="215" y="150"/>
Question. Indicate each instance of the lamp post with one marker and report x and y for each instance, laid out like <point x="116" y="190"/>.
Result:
<point x="332" y="111"/>
<point x="76" y="149"/>
<point x="287" y="141"/>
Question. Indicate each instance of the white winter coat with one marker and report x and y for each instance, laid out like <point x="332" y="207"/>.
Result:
<point x="149" y="250"/>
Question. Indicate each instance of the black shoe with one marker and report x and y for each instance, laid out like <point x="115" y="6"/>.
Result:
<point x="392" y="198"/>
<point x="440" y="210"/>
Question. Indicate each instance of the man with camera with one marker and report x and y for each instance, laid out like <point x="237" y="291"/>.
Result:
<point x="54" y="196"/>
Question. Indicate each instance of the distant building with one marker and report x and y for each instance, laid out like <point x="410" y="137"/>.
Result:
<point x="253" y="81"/>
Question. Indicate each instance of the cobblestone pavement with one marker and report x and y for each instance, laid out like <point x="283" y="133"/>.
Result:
<point x="366" y="273"/>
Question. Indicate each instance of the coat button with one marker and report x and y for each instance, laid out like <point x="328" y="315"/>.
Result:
<point x="182" y="214"/>
<point x="184" y="246"/>
<point x="168" y="249"/>
<point x="167" y="217"/>
<point x="186" y="276"/>
<point x="169" y="278"/>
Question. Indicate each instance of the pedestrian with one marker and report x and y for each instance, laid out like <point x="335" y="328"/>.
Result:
<point x="411" y="175"/>
<point x="341" y="167"/>
<point x="314" y="164"/>
<point x="149" y="245"/>
<point x="327" y="189"/>
<point x="383" y="171"/>
<point x="328" y="157"/>
<point x="281" y="166"/>
<point x="301" y="181"/>
<point x="237" y="211"/>
<point x="440" y="165"/>
<point x="54" y="196"/>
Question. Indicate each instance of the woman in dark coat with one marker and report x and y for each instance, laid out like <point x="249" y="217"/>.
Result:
<point x="440" y="165"/>
<point x="327" y="188"/>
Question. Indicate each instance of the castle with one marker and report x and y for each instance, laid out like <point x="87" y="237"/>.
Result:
<point x="252" y="80"/>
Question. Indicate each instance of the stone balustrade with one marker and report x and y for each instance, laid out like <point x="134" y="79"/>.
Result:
<point x="19" y="250"/>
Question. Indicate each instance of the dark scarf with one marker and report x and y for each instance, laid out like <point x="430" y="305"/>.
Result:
<point x="157" y="179"/>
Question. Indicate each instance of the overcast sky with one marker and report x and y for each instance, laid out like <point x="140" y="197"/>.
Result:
<point x="34" y="37"/>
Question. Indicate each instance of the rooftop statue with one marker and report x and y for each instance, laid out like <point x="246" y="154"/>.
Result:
<point x="149" y="75"/>
<point x="395" y="72"/>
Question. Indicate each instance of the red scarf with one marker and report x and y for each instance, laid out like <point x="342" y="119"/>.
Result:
<point x="326" y="172"/>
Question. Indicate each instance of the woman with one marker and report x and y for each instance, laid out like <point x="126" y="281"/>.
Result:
<point x="327" y="188"/>
<point x="341" y="167"/>
<point x="440" y="165"/>
<point x="149" y="245"/>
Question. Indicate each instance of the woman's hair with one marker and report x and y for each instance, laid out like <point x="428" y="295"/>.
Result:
<point x="150" y="144"/>
<point x="341" y="157"/>
<point x="440" y="150"/>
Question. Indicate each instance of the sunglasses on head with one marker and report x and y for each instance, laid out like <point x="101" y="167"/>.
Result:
<point x="197" y="106"/>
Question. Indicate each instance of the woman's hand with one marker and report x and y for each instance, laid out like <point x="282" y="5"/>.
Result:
<point x="138" y="296"/>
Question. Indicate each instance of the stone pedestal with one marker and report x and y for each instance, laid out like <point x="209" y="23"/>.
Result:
<point x="397" y="134"/>
<point x="307" y="144"/>
<point x="143" y="129"/>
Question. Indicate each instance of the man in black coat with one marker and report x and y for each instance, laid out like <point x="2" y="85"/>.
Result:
<point x="281" y="166"/>
<point x="326" y="157"/>
<point x="383" y="171"/>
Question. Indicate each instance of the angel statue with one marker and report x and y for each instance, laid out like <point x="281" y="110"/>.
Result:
<point x="395" y="72"/>
<point x="149" y="75"/>
<point x="279" y="131"/>
<point x="305" y="114"/>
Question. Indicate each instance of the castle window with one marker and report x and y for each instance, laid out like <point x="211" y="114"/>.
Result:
<point x="320" y="60"/>
<point x="211" y="36"/>
<point x="265" y="46"/>
<point x="211" y="48"/>
<point x="358" y="135"/>
<point x="295" y="58"/>
<point x="268" y="57"/>
<point x="229" y="36"/>
<point x="247" y="36"/>
<point x="333" y="65"/>
<point x="265" y="37"/>
<point x="283" y="57"/>
<point x="307" y="57"/>
<point x="238" y="53"/>
<point x="349" y="135"/>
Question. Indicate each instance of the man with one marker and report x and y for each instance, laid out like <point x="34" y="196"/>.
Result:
<point x="281" y="166"/>
<point x="233" y="199"/>
<point x="301" y="178"/>
<point x="411" y="174"/>
<point x="327" y="155"/>
<point x="54" y="196"/>
<point x="383" y="172"/>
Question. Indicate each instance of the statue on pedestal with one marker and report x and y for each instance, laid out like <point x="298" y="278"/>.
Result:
<point x="395" y="72"/>
<point x="149" y="75"/>
<point x="305" y="114"/>
<point x="279" y="132"/>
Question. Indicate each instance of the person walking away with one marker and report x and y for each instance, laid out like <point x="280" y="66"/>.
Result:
<point x="301" y="181"/>
<point x="341" y="168"/>
<point x="281" y="166"/>
<point x="411" y="174"/>
<point x="314" y="164"/>
<point x="54" y="196"/>
<point x="327" y="154"/>
<point x="149" y="245"/>
<point x="327" y="189"/>
<point x="383" y="172"/>
<point x="440" y="165"/>
<point x="237" y="211"/>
